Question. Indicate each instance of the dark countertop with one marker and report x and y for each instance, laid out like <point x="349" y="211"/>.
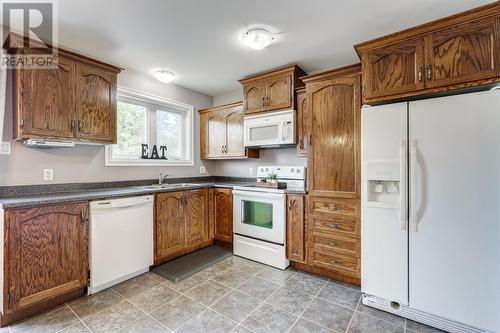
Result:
<point x="107" y="193"/>
<point x="97" y="194"/>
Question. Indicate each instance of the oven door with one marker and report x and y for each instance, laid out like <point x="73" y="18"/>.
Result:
<point x="260" y="215"/>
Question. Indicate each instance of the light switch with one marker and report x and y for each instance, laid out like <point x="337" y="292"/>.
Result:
<point x="4" y="148"/>
<point x="48" y="174"/>
<point x="250" y="171"/>
<point x="203" y="170"/>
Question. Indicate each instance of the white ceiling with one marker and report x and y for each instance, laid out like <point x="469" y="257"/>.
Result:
<point x="198" y="39"/>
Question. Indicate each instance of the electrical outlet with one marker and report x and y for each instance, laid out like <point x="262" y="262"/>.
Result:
<point x="48" y="174"/>
<point x="250" y="171"/>
<point x="203" y="170"/>
<point x="4" y="148"/>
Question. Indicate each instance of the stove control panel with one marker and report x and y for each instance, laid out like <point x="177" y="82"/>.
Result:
<point x="283" y="172"/>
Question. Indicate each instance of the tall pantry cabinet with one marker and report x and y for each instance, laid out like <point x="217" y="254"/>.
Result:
<point x="333" y="201"/>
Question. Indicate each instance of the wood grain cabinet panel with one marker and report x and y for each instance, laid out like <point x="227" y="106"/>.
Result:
<point x="394" y="69"/>
<point x="279" y="92"/>
<point x="456" y="52"/>
<point x="255" y="97"/>
<point x="221" y="133"/>
<point x="74" y="101"/>
<point x="460" y="54"/>
<point x="295" y="229"/>
<point x="48" y="109"/>
<point x="214" y="135"/>
<point x="271" y="91"/>
<point x="223" y="214"/>
<point x="235" y="146"/>
<point x="347" y="265"/>
<point x="303" y="122"/>
<point x="333" y="159"/>
<point x="170" y="229"/>
<point x="46" y="254"/>
<point x="196" y="216"/>
<point x="181" y="223"/>
<point x="96" y="104"/>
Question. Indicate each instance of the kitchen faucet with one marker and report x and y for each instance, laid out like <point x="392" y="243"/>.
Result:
<point x="162" y="177"/>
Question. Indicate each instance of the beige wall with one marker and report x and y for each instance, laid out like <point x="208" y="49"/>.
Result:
<point x="86" y="163"/>
<point x="240" y="168"/>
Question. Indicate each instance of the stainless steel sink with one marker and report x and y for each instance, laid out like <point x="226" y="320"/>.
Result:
<point x="174" y="185"/>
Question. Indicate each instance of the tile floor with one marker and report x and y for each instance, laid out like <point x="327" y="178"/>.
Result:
<point x="235" y="295"/>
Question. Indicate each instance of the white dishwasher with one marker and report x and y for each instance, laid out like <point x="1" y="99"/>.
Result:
<point x="121" y="240"/>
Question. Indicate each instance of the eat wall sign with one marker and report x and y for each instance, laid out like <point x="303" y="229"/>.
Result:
<point x="155" y="154"/>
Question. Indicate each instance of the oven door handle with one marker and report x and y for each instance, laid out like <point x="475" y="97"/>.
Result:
<point x="256" y="194"/>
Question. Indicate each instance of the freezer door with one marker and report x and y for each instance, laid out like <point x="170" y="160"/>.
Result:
<point x="454" y="265"/>
<point x="384" y="234"/>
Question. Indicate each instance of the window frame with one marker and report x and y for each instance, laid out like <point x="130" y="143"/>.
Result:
<point x="158" y="104"/>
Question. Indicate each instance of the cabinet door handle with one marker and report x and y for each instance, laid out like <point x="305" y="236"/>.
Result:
<point x="420" y="73"/>
<point x="310" y="139"/>
<point x="79" y="125"/>
<point x="72" y="125"/>
<point x="263" y="101"/>
<point x="429" y="72"/>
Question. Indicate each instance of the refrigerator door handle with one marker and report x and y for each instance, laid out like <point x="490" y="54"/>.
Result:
<point x="413" y="186"/>
<point x="403" y="209"/>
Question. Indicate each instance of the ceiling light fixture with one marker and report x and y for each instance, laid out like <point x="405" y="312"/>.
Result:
<point x="164" y="76"/>
<point x="257" y="39"/>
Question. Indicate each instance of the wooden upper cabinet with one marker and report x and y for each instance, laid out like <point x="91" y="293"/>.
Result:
<point x="213" y="134"/>
<point x="456" y="52"/>
<point x="170" y="230"/>
<point x="74" y="101"/>
<point x="96" y="104"/>
<point x="394" y="69"/>
<point x="468" y="52"/>
<point x="235" y="146"/>
<point x="272" y="90"/>
<point x="295" y="229"/>
<point x="255" y="97"/>
<point x="221" y="133"/>
<point x="279" y="92"/>
<point x="303" y="122"/>
<point x="223" y="214"/>
<point x="48" y="108"/>
<point x="196" y="216"/>
<point x="334" y="101"/>
<point x="46" y="253"/>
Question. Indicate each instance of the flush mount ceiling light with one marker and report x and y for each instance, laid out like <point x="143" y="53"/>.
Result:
<point x="257" y="39"/>
<point x="164" y="76"/>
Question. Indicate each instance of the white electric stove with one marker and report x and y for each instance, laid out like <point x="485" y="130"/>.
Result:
<point x="259" y="216"/>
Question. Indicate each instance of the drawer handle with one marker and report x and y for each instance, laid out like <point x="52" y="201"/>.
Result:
<point x="334" y="225"/>
<point x="333" y="261"/>
<point x="334" y="244"/>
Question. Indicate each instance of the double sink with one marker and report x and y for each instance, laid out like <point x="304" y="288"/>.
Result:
<point x="174" y="185"/>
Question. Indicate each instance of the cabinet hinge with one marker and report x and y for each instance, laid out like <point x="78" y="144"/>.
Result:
<point x="7" y="297"/>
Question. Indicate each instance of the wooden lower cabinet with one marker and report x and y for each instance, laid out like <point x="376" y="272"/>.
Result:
<point x="333" y="237"/>
<point x="295" y="229"/>
<point x="181" y="223"/>
<point x="222" y="214"/>
<point x="45" y="260"/>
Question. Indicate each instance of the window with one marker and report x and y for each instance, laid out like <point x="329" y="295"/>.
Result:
<point x="146" y="119"/>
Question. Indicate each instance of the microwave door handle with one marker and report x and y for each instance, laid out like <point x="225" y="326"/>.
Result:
<point x="283" y="124"/>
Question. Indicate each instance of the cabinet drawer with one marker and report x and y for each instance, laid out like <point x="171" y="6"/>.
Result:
<point x="343" y="264"/>
<point x="346" y="225"/>
<point x="334" y="206"/>
<point x="347" y="245"/>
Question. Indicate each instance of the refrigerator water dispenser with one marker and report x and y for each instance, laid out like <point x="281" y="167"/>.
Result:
<point x="383" y="184"/>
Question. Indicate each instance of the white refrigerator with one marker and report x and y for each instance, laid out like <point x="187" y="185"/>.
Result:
<point x="430" y="229"/>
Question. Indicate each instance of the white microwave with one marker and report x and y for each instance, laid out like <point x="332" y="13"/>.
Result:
<point x="270" y="129"/>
